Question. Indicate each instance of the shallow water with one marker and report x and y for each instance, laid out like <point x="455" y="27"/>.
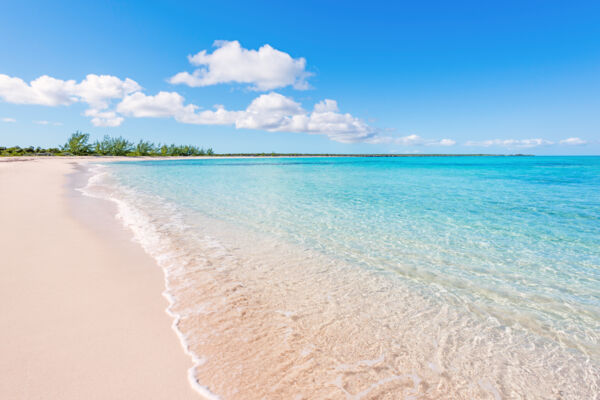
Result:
<point x="441" y="277"/>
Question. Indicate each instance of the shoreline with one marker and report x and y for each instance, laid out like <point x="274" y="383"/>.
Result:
<point x="82" y="314"/>
<point x="81" y="186"/>
<point x="258" y="317"/>
<point x="98" y="158"/>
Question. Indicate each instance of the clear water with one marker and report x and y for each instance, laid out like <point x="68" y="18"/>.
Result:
<point x="419" y="277"/>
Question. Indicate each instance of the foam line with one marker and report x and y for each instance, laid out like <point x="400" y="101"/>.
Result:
<point x="127" y="215"/>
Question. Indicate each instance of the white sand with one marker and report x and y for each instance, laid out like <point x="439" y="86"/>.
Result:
<point x="81" y="311"/>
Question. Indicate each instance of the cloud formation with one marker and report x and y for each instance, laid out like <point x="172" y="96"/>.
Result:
<point x="573" y="141"/>
<point x="98" y="91"/>
<point x="45" y="90"/>
<point x="263" y="69"/>
<point x="276" y="113"/>
<point x="95" y="90"/>
<point x="104" y="118"/>
<point x="171" y="104"/>
<point x="412" y="140"/>
<point x="271" y="112"/>
<point x="111" y="99"/>
<point x="511" y="143"/>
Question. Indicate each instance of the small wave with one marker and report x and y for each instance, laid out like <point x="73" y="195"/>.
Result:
<point x="145" y="233"/>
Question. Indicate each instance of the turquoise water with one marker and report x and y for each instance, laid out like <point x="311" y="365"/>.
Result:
<point x="511" y="243"/>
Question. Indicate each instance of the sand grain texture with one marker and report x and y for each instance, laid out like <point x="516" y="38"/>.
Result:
<point x="82" y="316"/>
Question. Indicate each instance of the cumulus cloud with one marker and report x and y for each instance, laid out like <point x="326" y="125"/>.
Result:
<point x="98" y="91"/>
<point x="263" y="69"/>
<point x="171" y="104"/>
<point x="511" y="143"/>
<point x="276" y="113"/>
<point x="95" y="90"/>
<point x="272" y="112"/>
<point x="573" y="141"/>
<point x="104" y="118"/>
<point x="9" y="120"/>
<point x="412" y="140"/>
<point x="45" y="90"/>
<point x="164" y="104"/>
<point x="446" y="142"/>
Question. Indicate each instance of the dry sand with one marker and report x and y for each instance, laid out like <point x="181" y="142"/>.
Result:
<point x="81" y="311"/>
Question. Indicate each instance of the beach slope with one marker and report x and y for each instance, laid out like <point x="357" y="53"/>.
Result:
<point x="82" y="316"/>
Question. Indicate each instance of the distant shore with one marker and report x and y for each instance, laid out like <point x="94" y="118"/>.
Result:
<point x="245" y="155"/>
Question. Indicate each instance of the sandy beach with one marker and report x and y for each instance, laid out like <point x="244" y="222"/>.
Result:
<point x="81" y="305"/>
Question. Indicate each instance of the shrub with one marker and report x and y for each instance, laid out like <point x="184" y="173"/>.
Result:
<point x="119" y="146"/>
<point x="102" y="147"/>
<point x="144" y="148"/>
<point x="78" y="144"/>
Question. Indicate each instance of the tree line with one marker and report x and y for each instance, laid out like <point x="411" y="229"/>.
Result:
<point x="79" y="144"/>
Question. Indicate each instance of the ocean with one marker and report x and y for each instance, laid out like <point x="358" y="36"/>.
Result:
<point x="375" y="277"/>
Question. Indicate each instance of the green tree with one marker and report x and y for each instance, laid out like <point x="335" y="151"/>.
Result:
<point x="119" y="146"/>
<point x="102" y="147"/>
<point x="164" y="150"/>
<point x="78" y="144"/>
<point x="144" y="148"/>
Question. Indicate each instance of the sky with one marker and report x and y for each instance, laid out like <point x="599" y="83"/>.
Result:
<point x="312" y="77"/>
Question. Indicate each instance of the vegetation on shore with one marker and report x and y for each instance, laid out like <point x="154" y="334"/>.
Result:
<point x="79" y="144"/>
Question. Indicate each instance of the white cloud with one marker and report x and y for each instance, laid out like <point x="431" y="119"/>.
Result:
<point x="326" y="105"/>
<point x="271" y="112"/>
<point x="9" y="120"/>
<point x="511" y="143"/>
<point x="164" y="104"/>
<point x="264" y="69"/>
<point x="344" y="128"/>
<point x="276" y="113"/>
<point x="95" y="90"/>
<point x="412" y="140"/>
<point x="104" y="118"/>
<point x="446" y="142"/>
<point x="44" y="90"/>
<point x="98" y="91"/>
<point x="573" y="141"/>
<point x="170" y="104"/>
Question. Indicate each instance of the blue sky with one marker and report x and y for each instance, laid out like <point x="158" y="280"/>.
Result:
<point x="342" y="77"/>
